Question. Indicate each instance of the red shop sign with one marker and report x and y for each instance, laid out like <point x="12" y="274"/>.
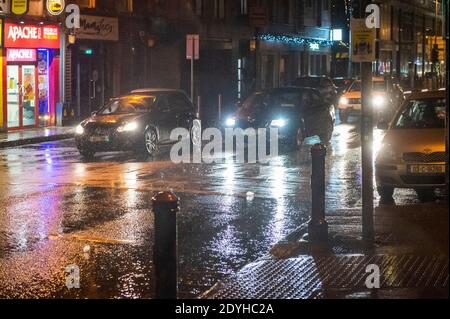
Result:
<point x="31" y="36"/>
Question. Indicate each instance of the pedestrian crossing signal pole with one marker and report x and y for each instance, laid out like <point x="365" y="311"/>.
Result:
<point x="363" y="51"/>
<point x="367" y="150"/>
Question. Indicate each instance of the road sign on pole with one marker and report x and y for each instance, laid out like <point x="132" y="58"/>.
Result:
<point x="363" y="41"/>
<point x="192" y="46"/>
<point x="363" y="51"/>
<point x="192" y="53"/>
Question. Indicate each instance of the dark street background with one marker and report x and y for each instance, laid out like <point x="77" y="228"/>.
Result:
<point x="57" y="206"/>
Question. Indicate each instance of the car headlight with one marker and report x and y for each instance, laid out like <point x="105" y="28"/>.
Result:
<point x="343" y="100"/>
<point x="278" y="123"/>
<point x="128" y="127"/>
<point x="230" y="122"/>
<point x="79" y="130"/>
<point x="386" y="153"/>
<point x="378" y="101"/>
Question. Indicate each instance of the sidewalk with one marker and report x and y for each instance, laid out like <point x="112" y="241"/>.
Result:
<point x="36" y="135"/>
<point x="410" y="249"/>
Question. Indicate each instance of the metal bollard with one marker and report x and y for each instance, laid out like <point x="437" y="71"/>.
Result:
<point x="165" y="259"/>
<point x="317" y="226"/>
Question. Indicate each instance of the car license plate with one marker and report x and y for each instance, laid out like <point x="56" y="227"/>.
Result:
<point x="426" y="169"/>
<point x="99" y="139"/>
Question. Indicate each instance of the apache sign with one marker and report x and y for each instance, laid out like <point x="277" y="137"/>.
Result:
<point x="31" y="36"/>
<point x="21" y="55"/>
<point x="98" y="28"/>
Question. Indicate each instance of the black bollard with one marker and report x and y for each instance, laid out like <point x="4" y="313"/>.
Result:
<point x="165" y="259"/>
<point x="318" y="227"/>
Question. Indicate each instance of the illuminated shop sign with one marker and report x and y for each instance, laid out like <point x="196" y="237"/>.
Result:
<point x="55" y="7"/>
<point x="4" y="6"/>
<point x="20" y="55"/>
<point x="19" y="7"/>
<point x="31" y="36"/>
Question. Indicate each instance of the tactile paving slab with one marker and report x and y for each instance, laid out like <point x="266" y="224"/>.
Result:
<point x="307" y="276"/>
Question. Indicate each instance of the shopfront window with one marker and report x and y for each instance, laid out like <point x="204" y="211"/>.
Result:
<point x="32" y="74"/>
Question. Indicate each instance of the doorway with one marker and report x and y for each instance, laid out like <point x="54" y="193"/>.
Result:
<point x="21" y="96"/>
<point x="90" y="79"/>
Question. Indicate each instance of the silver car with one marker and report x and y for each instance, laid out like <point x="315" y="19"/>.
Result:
<point x="412" y="154"/>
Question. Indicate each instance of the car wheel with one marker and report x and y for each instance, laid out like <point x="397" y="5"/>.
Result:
<point x="151" y="142"/>
<point x="386" y="193"/>
<point x="86" y="153"/>
<point x="343" y="115"/>
<point x="425" y="195"/>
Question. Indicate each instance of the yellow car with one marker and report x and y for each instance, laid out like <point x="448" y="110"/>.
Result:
<point x="350" y="101"/>
<point x="412" y="153"/>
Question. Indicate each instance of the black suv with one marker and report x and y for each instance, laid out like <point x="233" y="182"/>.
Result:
<point x="139" y="121"/>
<point x="323" y="84"/>
<point x="297" y="113"/>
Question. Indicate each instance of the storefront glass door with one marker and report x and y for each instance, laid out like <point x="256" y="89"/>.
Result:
<point x="21" y="98"/>
<point x="28" y="95"/>
<point x="13" y="99"/>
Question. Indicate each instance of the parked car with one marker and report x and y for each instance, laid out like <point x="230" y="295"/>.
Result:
<point x="297" y="112"/>
<point x="323" y="84"/>
<point x="412" y="154"/>
<point x="139" y="121"/>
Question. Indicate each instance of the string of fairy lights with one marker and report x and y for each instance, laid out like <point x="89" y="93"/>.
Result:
<point x="296" y="40"/>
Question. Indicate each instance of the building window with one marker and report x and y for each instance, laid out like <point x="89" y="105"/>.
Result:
<point x="244" y="7"/>
<point x="106" y="5"/>
<point x="130" y="5"/>
<point x="240" y="79"/>
<point x="85" y="3"/>
<point x="312" y="64"/>
<point x="281" y="11"/>
<point x="283" y="71"/>
<point x="197" y="7"/>
<point x="219" y="9"/>
<point x="125" y="5"/>
<point x="324" y="65"/>
<point x="326" y="5"/>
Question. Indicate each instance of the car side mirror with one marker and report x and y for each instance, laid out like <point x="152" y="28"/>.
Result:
<point x="383" y="126"/>
<point x="94" y="113"/>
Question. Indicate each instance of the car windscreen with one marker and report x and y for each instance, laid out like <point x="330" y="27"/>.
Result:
<point x="254" y="101"/>
<point x="356" y="87"/>
<point x="307" y="82"/>
<point x="422" y="113"/>
<point x="284" y="100"/>
<point x="132" y="104"/>
<point x="379" y="86"/>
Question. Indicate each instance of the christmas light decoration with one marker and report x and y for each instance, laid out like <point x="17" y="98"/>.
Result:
<point x="294" y="40"/>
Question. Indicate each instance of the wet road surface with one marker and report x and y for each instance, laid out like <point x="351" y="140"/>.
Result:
<point x="59" y="210"/>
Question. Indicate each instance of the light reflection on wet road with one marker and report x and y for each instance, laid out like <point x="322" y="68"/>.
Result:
<point x="54" y="204"/>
